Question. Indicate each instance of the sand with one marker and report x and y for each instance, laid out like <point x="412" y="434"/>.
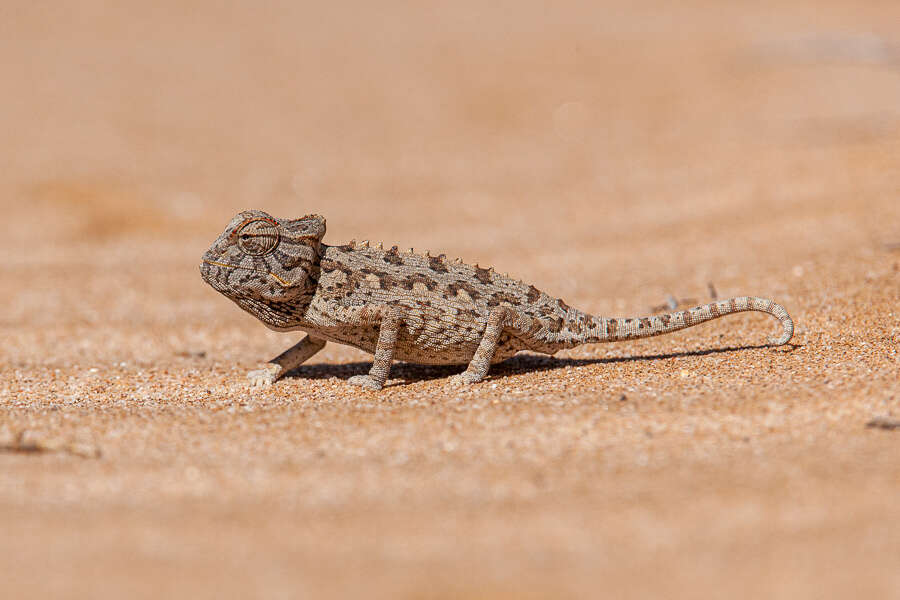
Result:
<point x="612" y="155"/>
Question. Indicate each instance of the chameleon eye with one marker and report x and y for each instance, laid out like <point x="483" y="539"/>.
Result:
<point x="257" y="237"/>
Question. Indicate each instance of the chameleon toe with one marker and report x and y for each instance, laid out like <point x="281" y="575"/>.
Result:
<point x="365" y="381"/>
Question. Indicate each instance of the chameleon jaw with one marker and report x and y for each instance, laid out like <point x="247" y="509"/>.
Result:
<point x="270" y="274"/>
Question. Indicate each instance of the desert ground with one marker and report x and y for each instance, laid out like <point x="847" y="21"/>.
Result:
<point x="616" y="155"/>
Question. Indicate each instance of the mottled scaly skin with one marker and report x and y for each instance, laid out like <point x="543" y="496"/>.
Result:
<point x="407" y="306"/>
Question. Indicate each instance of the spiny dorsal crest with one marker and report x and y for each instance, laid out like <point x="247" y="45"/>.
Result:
<point x="440" y="258"/>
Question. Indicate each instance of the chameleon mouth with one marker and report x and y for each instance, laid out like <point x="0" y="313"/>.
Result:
<point x="270" y="274"/>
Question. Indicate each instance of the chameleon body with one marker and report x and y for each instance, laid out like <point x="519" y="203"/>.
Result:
<point x="413" y="307"/>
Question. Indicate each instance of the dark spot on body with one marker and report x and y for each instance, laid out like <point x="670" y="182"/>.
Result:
<point x="387" y="281"/>
<point x="575" y="326"/>
<point x="436" y="263"/>
<point x="612" y="328"/>
<point x="630" y="325"/>
<point x="470" y="289"/>
<point x="282" y="258"/>
<point x="419" y="278"/>
<point x="499" y="298"/>
<point x="483" y="275"/>
<point x="329" y="266"/>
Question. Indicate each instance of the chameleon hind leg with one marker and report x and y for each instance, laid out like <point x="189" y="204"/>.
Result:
<point x="291" y="358"/>
<point x="389" y="322"/>
<point x="501" y="319"/>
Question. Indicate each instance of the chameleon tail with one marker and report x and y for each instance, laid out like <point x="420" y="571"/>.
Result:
<point x="588" y="330"/>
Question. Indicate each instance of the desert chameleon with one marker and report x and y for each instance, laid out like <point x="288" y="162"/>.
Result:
<point x="408" y="306"/>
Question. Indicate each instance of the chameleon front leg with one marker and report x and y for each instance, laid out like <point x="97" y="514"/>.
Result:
<point x="389" y="326"/>
<point x="291" y="358"/>
<point x="502" y="318"/>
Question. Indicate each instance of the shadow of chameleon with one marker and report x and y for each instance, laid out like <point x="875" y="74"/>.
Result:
<point x="409" y="373"/>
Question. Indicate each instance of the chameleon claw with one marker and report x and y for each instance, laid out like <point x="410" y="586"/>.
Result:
<point x="265" y="377"/>
<point x="364" y="381"/>
<point x="464" y="378"/>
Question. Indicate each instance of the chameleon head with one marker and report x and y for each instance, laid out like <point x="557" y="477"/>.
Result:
<point x="260" y="261"/>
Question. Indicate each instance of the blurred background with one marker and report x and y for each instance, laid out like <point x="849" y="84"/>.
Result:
<point x="611" y="153"/>
<point x="563" y="121"/>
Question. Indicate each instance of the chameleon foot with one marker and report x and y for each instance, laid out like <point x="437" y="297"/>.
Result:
<point x="365" y="381"/>
<point x="465" y="378"/>
<point x="264" y="377"/>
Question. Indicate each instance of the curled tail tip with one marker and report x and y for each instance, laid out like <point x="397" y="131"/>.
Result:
<point x="788" y="324"/>
<point x="781" y="341"/>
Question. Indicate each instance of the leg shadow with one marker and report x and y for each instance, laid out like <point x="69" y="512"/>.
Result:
<point x="409" y="373"/>
<point x="526" y="363"/>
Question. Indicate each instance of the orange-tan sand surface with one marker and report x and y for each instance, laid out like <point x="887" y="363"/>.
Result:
<point x="612" y="154"/>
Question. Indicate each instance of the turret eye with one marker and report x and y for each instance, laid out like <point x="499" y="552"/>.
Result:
<point x="257" y="237"/>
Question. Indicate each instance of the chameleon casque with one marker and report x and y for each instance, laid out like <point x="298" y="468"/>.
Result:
<point x="407" y="306"/>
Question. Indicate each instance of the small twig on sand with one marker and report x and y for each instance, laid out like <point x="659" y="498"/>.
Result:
<point x="29" y="442"/>
<point x="884" y="423"/>
<point x="672" y="303"/>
